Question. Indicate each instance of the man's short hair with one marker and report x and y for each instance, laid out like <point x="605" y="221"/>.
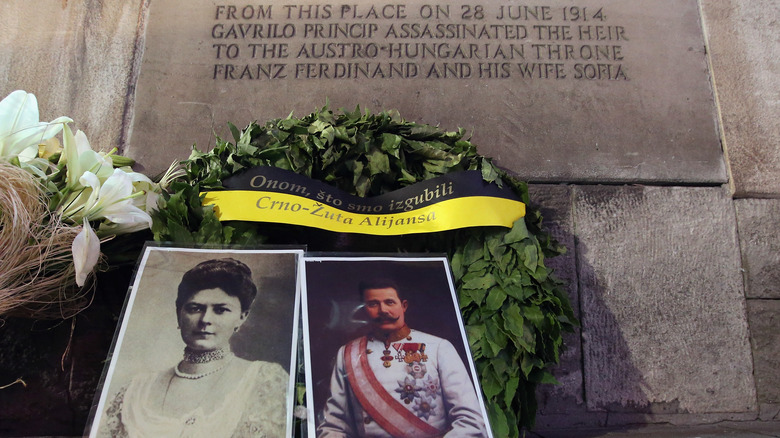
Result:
<point x="379" y="283"/>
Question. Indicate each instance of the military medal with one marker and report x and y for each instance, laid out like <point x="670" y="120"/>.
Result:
<point x="387" y="359"/>
<point x="408" y="352"/>
<point x="387" y="354"/>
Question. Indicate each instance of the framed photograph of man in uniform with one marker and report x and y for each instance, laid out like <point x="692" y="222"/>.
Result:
<point x="206" y="346"/>
<point x="386" y="351"/>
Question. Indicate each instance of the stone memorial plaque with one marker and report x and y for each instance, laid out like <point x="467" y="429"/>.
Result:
<point x="604" y="90"/>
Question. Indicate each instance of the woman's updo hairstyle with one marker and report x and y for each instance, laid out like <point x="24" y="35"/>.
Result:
<point x="230" y="275"/>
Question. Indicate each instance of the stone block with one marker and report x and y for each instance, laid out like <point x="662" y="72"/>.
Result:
<point x="758" y="223"/>
<point x="744" y="44"/>
<point x="75" y="56"/>
<point x="554" y="202"/>
<point x="663" y="308"/>
<point x="560" y="92"/>
<point x="764" y="318"/>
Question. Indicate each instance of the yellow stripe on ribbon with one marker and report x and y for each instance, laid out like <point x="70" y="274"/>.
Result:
<point x="283" y="208"/>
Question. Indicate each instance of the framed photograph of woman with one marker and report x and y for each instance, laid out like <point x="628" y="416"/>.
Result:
<point x="386" y="350"/>
<point x="206" y="346"/>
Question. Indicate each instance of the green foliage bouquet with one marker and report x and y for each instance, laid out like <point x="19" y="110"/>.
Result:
<point x="514" y="309"/>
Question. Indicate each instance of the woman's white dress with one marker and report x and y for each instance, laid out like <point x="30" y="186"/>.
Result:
<point x="256" y="407"/>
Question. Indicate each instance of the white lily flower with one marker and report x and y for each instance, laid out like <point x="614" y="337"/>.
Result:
<point x="86" y="252"/>
<point x="99" y="163"/>
<point x="116" y="195"/>
<point x="49" y="147"/>
<point x="137" y="178"/>
<point x="151" y="196"/>
<point x="151" y="201"/>
<point x="92" y="197"/>
<point x="112" y="200"/>
<point x="80" y="158"/>
<point x="80" y="203"/>
<point x="141" y="183"/>
<point x="20" y="128"/>
<point x="115" y="229"/>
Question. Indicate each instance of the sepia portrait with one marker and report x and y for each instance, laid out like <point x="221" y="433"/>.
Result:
<point x="205" y="347"/>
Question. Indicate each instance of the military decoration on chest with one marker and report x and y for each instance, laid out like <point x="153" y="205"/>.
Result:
<point x="387" y="360"/>
<point x="408" y="352"/>
<point x="418" y="388"/>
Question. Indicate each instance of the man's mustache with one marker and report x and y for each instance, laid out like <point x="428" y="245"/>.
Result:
<point x="385" y="319"/>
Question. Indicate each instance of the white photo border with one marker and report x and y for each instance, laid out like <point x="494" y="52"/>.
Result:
<point x="307" y="335"/>
<point x="109" y="385"/>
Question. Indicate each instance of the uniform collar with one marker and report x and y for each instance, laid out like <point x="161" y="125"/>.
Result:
<point x="393" y="336"/>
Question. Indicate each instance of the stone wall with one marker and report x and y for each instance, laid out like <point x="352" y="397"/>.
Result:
<point x="677" y="287"/>
<point x="673" y="281"/>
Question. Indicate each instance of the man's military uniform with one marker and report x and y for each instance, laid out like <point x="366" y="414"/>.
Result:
<point x="411" y="384"/>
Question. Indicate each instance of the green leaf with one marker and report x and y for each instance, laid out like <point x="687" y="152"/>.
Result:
<point x="378" y="163"/>
<point x="179" y="233"/>
<point x="391" y="143"/>
<point x="456" y="264"/>
<point x="477" y="295"/>
<point x="472" y="251"/>
<point x="479" y="266"/>
<point x="517" y="292"/>
<point x="406" y="177"/>
<point x="518" y="232"/>
<point x="529" y="363"/>
<point x="318" y="126"/>
<point x="539" y="375"/>
<point x="493" y="245"/>
<point x="514" y="323"/>
<point x="533" y="314"/>
<point x="530" y="257"/>
<point x="513" y="320"/>
<point x="465" y="299"/>
<point x="498" y="421"/>
<point x="495" y="298"/>
<point x="233" y="130"/>
<point x="510" y="388"/>
<point x="495" y="337"/>
<point x="489" y="172"/>
<point x="475" y="332"/>
<point x="210" y="231"/>
<point x="491" y="386"/>
<point x="479" y="282"/>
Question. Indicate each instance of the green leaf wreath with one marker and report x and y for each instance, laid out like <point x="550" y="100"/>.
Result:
<point x="515" y="311"/>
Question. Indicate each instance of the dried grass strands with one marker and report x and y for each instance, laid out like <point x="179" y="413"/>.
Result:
<point x="37" y="276"/>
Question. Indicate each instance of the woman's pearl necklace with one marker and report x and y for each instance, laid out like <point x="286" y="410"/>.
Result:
<point x="193" y="356"/>
<point x="182" y="374"/>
